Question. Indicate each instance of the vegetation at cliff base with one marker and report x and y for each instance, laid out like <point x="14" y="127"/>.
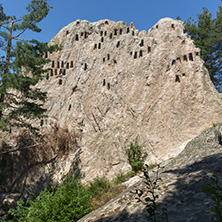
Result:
<point x="69" y="200"/>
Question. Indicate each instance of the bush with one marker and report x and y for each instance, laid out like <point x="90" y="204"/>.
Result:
<point x="120" y="177"/>
<point x="149" y="196"/>
<point x="69" y="201"/>
<point x="135" y="155"/>
<point x="98" y="186"/>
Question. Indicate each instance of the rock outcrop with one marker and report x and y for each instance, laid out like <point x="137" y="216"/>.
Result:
<point x="111" y="83"/>
<point x="180" y="187"/>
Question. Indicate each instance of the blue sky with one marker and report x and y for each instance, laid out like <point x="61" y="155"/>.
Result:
<point x="144" y="13"/>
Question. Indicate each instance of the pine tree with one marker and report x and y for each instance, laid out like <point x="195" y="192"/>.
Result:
<point x="207" y="35"/>
<point x="218" y="44"/>
<point x="22" y="66"/>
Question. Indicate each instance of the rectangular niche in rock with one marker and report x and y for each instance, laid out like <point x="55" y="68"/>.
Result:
<point x="177" y="79"/>
<point x="141" y="43"/>
<point x="190" y="56"/>
<point x="149" y="49"/>
<point x="185" y="58"/>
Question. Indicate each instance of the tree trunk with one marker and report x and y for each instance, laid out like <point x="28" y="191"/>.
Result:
<point x="6" y="66"/>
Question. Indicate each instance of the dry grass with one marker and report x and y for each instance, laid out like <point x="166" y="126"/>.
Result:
<point x="61" y="141"/>
<point x="104" y="197"/>
<point x="42" y="149"/>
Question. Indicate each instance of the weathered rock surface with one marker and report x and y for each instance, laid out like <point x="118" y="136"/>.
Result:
<point x="182" y="179"/>
<point x="112" y="83"/>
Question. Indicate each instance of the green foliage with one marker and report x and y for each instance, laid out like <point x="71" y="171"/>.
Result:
<point x="135" y="155"/>
<point x="149" y="197"/>
<point x="215" y="192"/>
<point x="98" y="186"/>
<point x="22" y="66"/>
<point x="19" y="214"/>
<point x="120" y="177"/>
<point x="207" y="35"/>
<point x="69" y="201"/>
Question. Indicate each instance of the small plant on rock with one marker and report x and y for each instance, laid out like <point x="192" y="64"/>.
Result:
<point x="120" y="177"/>
<point x="135" y="155"/>
<point x="149" y="196"/>
<point x="215" y="192"/>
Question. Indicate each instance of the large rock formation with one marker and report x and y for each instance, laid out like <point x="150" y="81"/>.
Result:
<point x="111" y="83"/>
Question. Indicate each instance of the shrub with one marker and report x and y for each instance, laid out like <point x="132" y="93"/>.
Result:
<point x="120" y="177"/>
<point x="69" y="201"/>
<point x="98" y="186"/>
<point x="149" y="196"/>
<point x="135" y="155"/>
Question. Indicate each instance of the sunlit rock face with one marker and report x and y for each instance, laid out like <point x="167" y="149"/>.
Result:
<point x="112" y="83"/>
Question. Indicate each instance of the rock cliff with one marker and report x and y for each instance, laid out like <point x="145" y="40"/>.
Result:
<point x="111" y="83"/>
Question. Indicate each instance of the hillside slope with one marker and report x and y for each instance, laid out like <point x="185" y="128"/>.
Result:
<point x="182" y="179"/>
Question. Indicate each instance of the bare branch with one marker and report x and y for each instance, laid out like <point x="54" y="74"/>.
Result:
<point x="21" y="39"/>
<point x="15" y="37"/>
<point x="17" y="20"/>
<point x="18" y="149"/>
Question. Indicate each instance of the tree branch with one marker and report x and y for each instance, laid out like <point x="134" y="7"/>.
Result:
<point x="18" y="149"/>
<point x="17" y="20"/>
<point x="23" y="40"/>
<point x="16" y="37"/>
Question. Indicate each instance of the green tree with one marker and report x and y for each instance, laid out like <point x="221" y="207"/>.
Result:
<point x="134" y="153"/>
<point x="68" y="201"/>
<point x="22" y="66"/>
<point x="207" y="34"/>
<point x="218" y="41"/>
